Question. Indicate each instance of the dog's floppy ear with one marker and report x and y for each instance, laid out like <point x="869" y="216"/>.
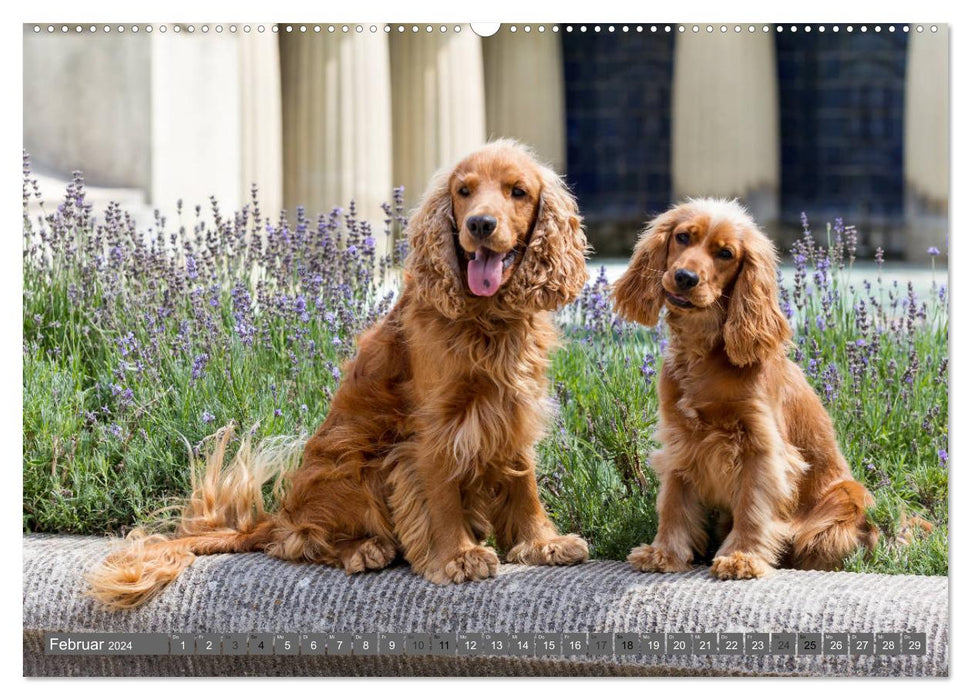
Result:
<point x="755" y="327"/>
<point x="638" y="295"/>
<point x="432" y="266"/>
<point x="554" y="267"/>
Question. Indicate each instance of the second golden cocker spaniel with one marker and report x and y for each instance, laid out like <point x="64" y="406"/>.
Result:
<point x="741" y="430"/>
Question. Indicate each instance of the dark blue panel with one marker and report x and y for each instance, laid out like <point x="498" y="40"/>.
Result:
<point x="618" y="122"/>
<point x="841" y="114"/>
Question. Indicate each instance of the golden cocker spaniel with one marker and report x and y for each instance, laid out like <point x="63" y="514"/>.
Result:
<point x="429" y="444"/>
<point x="741" y="430"/>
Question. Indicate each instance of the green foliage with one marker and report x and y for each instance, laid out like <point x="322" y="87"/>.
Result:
<point x="133" y="355"/>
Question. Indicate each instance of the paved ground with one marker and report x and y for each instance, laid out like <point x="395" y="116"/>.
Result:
<point x="921" y="275"/>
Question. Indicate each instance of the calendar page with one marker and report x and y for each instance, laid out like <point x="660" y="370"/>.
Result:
<point x="524" y="348"/>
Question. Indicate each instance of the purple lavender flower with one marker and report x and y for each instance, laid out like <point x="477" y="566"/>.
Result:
<point x="199" y="365"/>
<point x="933" y="251"/>
<point x="207" y="417"/>
<point x="648" y="370"/>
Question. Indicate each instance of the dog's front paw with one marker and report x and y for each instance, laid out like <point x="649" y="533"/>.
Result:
<point x="370" y="554"/>
<point x="740" y="565"/>
<point x="650" y="558"/>
<point x="473" y="564"/>
<point x="561" y="550"/>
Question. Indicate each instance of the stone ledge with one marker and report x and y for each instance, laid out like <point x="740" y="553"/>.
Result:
<point x="256" y="593"/>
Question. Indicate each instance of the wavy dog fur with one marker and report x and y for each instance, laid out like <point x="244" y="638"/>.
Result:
<point x="741" y="430"/>
<point x="429" y="443"/>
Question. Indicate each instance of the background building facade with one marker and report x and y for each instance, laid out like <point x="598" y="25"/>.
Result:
<point x="830" y="124"/>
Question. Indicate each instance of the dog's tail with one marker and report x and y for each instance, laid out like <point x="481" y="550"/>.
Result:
<point x="225" y="513"/>
<point x="835" y="526"/>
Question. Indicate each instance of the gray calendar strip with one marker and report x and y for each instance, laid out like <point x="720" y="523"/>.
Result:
<point x="521" y="644"/>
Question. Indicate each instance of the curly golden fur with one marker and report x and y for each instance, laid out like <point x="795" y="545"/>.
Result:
<point x="429" y="443"/>
<point x="741" y="430"/>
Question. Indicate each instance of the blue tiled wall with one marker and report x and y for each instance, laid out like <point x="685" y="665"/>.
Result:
<point x="841" y="113"/>
<point x="618" y="122"/>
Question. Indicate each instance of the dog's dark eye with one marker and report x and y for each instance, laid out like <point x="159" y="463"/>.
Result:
<point x="518" y="192"/>
<point x="726" y="254"/>
<point x="682" y="238"/>
<point x="464" y="191"/>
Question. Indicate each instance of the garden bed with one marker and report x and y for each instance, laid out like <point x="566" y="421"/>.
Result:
<point x="139" y="341"/>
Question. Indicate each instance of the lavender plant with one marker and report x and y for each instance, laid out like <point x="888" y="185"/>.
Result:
<point x="139" y="341"/>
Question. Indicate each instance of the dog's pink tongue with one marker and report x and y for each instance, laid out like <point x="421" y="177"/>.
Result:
<point x="485" y="272"/>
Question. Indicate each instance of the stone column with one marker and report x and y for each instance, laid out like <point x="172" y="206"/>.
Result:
<point x="725" y="119"/>
<point x="337" y="123"/>
<point x="196" y="125"/>
<point x="261" y="116"/>
<point x="438" y="102"/>
<point x="524" y="96"/>
<point x="926" y="142"/>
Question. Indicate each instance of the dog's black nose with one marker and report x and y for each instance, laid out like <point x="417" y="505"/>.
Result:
<point x="685" y="279"/>
<point x="481" y="226"/>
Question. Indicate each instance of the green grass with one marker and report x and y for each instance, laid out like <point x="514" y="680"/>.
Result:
<point x="112" y="404"/>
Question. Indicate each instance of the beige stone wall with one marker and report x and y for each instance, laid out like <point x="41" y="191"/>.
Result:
<point x="171" y="115"/>
<point x="196" y="134"/>
<point x="261" y="120"/>
<point x="87" y="106"/>
<point x="725" y="119"/>
<point x="926" y="118"/>
<point x="524" y="94"/>
<point x="437" y="103"/>
<point x="337" y="122"/>
<point x="927" y="150"/>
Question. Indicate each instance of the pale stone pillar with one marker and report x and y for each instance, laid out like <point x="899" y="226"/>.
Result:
<point x="926" y="142"/>
<point x="524" y="97"/>
<point x="438" y="103"/>
<point x="337" y="123"/>
<point x="725" y="119"/>
<point x="196" y="124"/>
<point x="261" y="115"/>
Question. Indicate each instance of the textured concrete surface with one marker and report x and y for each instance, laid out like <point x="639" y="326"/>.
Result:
<point x="255" y="593"/>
